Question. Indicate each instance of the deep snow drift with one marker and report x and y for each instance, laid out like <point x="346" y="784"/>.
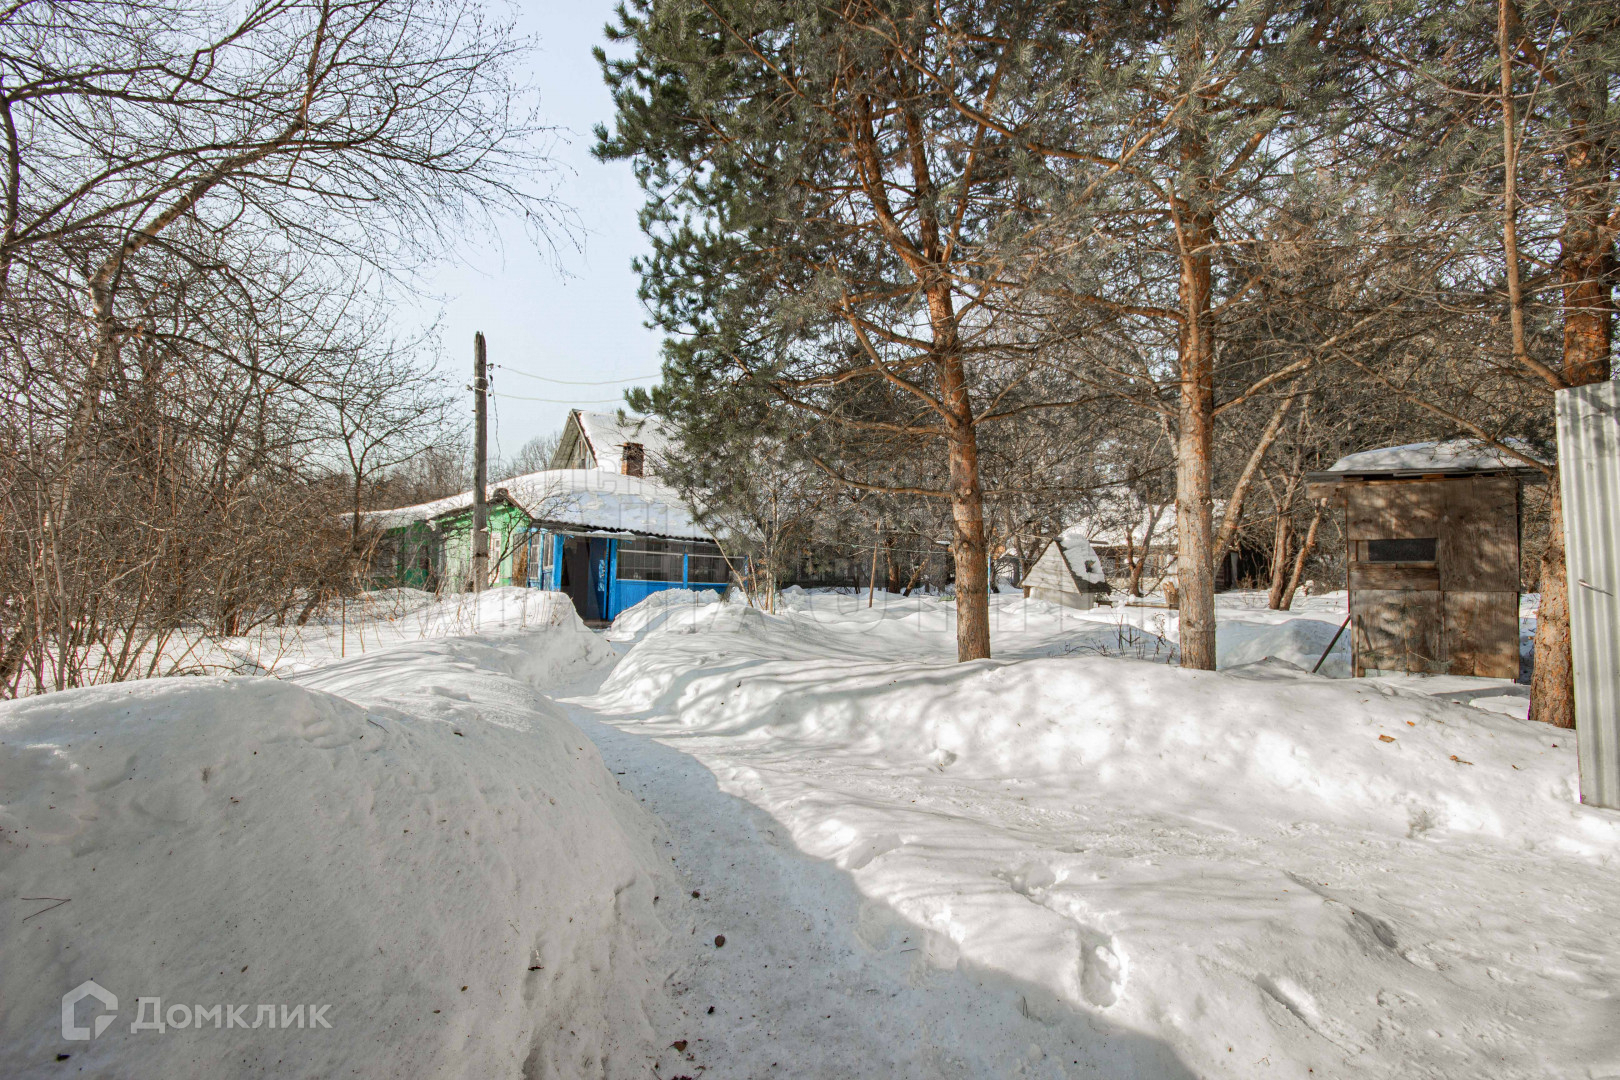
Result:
<point x="415" y="839"/>
<point x="1273" y="874"/>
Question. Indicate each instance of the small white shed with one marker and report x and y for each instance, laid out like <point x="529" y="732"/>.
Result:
<point x="1069" y="572"/>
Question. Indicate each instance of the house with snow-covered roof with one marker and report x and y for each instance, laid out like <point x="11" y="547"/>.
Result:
<point x="1137" y="541"/>
<point x="607" y="533"/>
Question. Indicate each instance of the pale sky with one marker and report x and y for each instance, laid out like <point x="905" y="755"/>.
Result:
<point x="581" y="326"/>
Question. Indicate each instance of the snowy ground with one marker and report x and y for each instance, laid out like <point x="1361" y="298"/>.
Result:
<point x="1072" y="860"/>
<point x="1264" y="872"/>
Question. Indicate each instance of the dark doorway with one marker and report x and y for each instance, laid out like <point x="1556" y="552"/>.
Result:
<point x="584" y="576"/>
<point x="576" y="577"/>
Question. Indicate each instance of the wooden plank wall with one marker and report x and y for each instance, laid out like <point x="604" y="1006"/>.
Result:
<point x="1398" y="630"/>
<point x="1458" y="615"/>
<point x="1479" y="576"/>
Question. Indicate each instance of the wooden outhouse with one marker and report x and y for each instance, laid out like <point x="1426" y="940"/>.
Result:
<point x="1432" y="557"/>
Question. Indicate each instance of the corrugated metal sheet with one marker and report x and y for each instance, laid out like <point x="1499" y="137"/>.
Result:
<point x="1589" y="458"/>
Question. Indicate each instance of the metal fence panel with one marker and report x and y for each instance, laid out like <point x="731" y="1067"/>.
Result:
<point x="1589" y="459"/>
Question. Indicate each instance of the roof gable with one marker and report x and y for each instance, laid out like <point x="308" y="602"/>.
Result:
<point x="1069" y="564"/>
<point x="596" y="440"/>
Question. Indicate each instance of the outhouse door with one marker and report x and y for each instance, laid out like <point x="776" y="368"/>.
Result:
<point x="1433" y="575"/>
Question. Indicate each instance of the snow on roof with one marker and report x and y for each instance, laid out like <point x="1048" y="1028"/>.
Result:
<point x="1083" y="560"/>
<point x="588" y="499"/>
<point x="607" y="433"/>
<point x="1116" y="513"/>
<point x="1451" y="455"/>
<point x="1109" y="530"/>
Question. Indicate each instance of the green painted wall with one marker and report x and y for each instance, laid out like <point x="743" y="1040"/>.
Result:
<point x="507" y="525"/>
<point x="448" y="550"/>
<point x="414" y="563"/>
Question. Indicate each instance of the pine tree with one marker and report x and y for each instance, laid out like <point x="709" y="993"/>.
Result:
<point x="838" y="229"/>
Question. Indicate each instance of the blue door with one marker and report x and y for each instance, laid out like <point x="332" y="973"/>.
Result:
<point x="600" y="577"/>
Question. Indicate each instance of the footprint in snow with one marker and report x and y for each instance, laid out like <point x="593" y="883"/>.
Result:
<point x="1102" y="968"/>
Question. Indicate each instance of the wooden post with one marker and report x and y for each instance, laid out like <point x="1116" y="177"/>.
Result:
<point x="480" y="521"/>
<point x="871" y="581"/>
<point x="1321" y="659"/>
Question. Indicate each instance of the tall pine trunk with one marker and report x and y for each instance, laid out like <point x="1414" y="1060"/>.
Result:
<point x="967" y="517"/>
<point x="1586" y="270"/>
<point x="1195" y="417"/>
<point x="1552" y="686"/>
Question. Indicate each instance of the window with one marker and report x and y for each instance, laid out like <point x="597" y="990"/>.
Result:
<point x="646" y="559"/>
<point x="1401" y="551"/>
<point x="635" y="459"/>
<point x="706" y="566"/>
<point x="643" y="558"/>
<point x="544" y="542"/>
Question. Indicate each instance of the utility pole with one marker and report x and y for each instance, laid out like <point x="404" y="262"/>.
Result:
<point x="480" y="522"/>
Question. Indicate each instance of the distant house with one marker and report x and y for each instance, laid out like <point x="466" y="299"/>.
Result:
<point x="605" y="536"/>
<point x="1069" y="572"/>
<point x="1128" y="536"/>
<point x="1131" y="535"/>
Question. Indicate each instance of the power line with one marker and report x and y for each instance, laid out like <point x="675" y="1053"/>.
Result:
<point x="562" y="401"/>
<point x="566" y="382"/>
<point x="496" y="409"/>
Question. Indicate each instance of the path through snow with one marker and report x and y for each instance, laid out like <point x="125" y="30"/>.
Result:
<point x="816" y="981"/>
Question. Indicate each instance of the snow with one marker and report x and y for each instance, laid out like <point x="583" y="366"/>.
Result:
<point x="817" y="979"/>
<point x="634" y="623"/>
<point x="386" y="837"/>
<point x="1249" y="635"/>
<point x="587" y="499"/>
<point x="392" y="617"/>
<point x="1263" y="871"/>
<point x="1072" y="860"/>
<point x="1452" y="455"/>
<point x="1082" y="557"/>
